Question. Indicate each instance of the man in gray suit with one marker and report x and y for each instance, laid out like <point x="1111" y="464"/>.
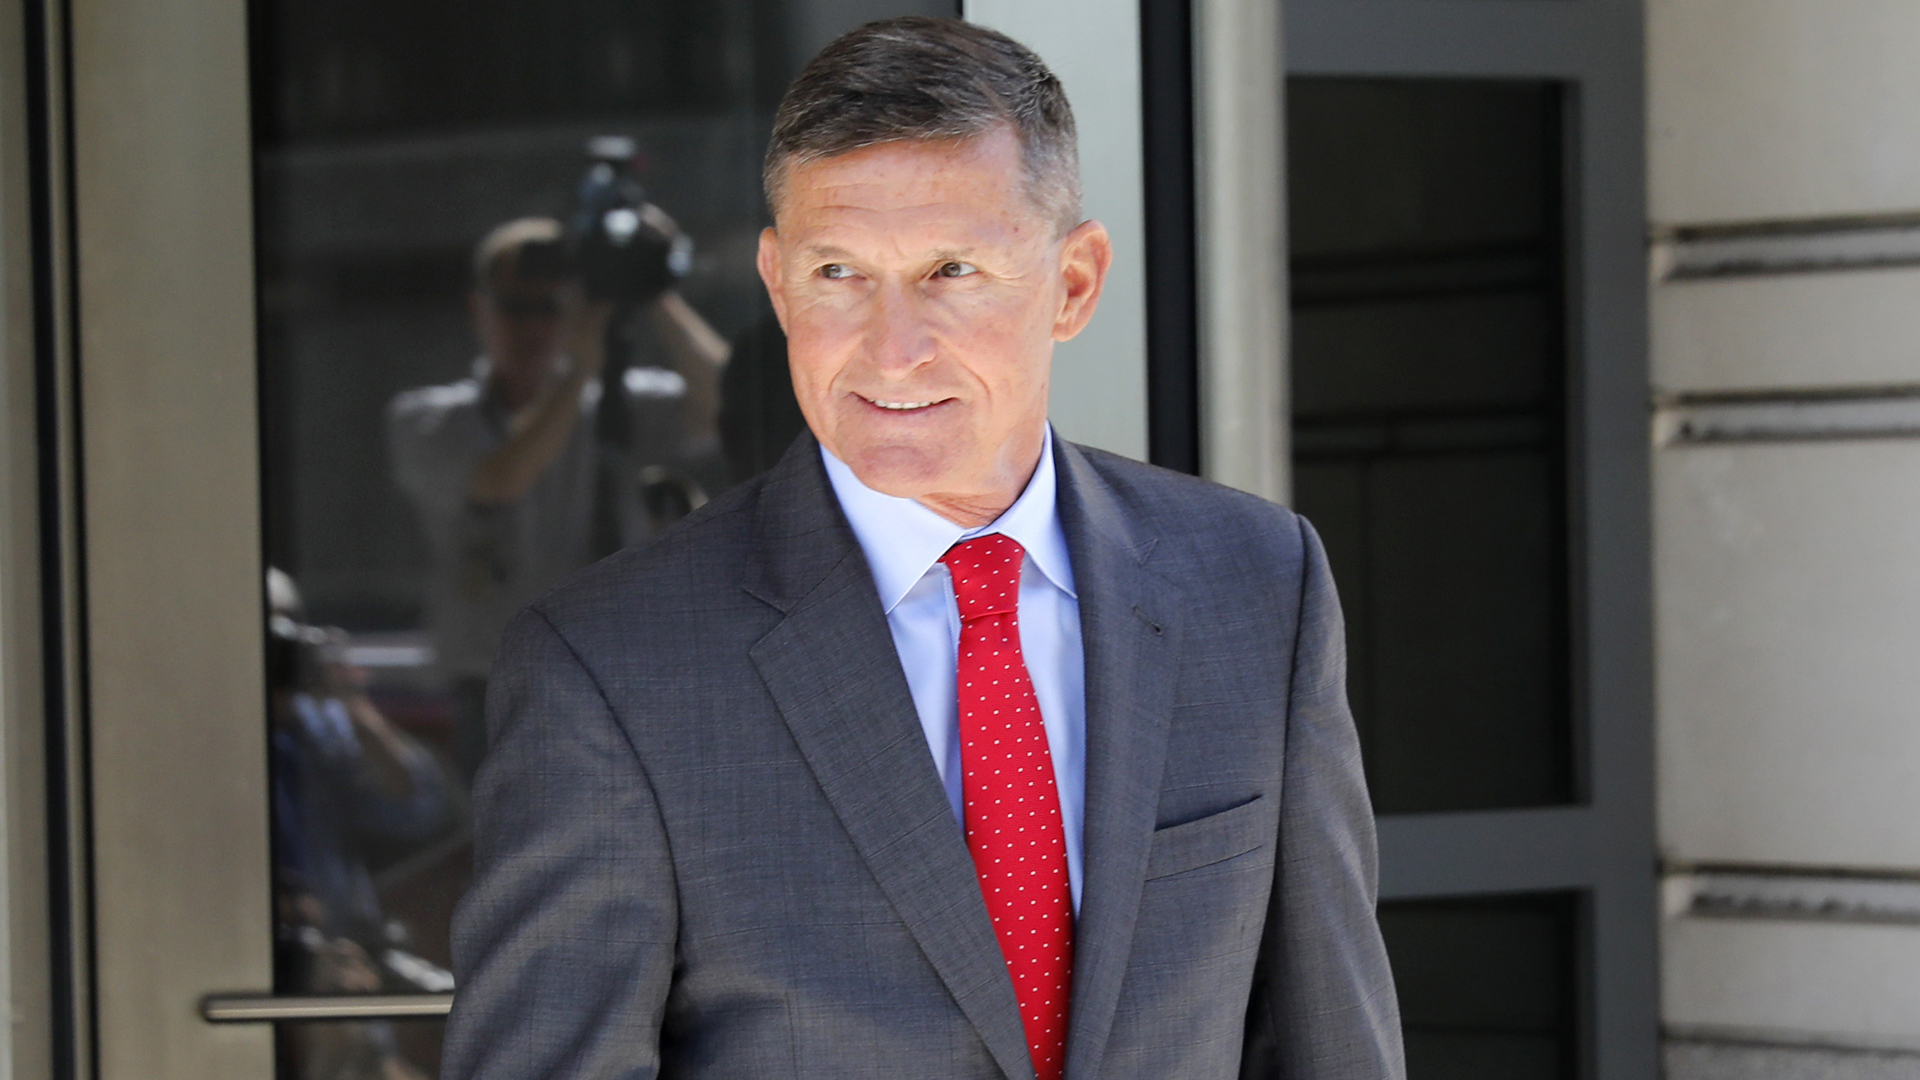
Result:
<point x="946" y="748"/>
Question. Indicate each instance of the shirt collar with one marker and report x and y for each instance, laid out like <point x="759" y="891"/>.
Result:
<point x="903" y="540"/>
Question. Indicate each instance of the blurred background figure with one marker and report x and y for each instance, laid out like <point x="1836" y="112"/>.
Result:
<point x="349" y="791"/>
<point x="517" y="473"/>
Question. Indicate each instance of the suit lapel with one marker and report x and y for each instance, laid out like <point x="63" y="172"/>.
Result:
<point x="833" y="671"/>
<point x="1131" y="641"/>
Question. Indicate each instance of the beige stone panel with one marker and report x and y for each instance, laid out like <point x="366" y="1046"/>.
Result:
<point x="1787" y="638"/>
<point x="1853" y="328"/>
<point x="1764" y="109"/>
<point x="1858" y="982"/>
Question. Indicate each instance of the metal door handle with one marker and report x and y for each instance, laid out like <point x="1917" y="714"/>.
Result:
<point x="261" y="1008"/>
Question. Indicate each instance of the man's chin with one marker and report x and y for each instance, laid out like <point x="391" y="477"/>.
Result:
<point x="905" y="471"/>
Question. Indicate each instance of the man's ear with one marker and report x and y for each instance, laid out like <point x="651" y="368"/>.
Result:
<point x="1085" y="257"/>
<point x="773" y="273"/>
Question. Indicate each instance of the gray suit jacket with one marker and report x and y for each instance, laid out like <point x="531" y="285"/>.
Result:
<point x="711" y="841"/>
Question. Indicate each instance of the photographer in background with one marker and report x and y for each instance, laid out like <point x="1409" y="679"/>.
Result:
<point x="347" y="786"/>
<point x="504" y="467"/>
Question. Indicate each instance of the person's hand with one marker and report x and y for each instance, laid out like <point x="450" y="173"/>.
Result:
<point x="388" y="751"/>
<point x="660" y="223"/>
<point x="634" y="255"/>
<point x="660" y="237"/>
<point x="394" y="1068"/>
<point x="341" y="966"/>
<point x="583" y="329"/>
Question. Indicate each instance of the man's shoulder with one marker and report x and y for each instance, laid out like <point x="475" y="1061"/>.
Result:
<point x="464" y="393"/>
<point x="1185" y="511"/>
<point x="1223" y="549"/>
<point x="422" y="409"/>
<point x="695" y="566"/>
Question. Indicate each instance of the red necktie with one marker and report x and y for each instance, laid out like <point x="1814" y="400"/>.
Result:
<point x="1012" y="807"/>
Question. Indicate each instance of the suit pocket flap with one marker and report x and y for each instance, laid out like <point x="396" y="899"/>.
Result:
<point x="1208" y="840"/>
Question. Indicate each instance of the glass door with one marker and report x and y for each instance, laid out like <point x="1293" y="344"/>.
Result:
<point x="1467" y="375"/>
<point x="459" y="213"/>
<point x="387" y="319"/>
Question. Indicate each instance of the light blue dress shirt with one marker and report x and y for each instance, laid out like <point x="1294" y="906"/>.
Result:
<point x="903" y="542"/>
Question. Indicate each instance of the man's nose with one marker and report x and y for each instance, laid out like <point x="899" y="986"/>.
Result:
<point x="899" y="336"/>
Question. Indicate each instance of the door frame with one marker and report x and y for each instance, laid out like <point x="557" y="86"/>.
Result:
<point x="1603" y="846"/>
<point x="36" y="905"/>
<point x="167" y="480"/>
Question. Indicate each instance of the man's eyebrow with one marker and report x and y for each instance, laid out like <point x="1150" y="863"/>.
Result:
<point x="830" y="251"/>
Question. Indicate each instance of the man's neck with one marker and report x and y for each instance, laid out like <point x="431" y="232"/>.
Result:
<point x="970" y="511"/>
<point x="965" y="512"/>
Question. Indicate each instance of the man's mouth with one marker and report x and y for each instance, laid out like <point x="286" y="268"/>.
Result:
<point x="897" y="406"/>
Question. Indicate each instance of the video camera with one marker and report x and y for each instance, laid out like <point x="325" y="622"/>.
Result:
<point x="626" y="251"/>
<point x="622" y="248"/>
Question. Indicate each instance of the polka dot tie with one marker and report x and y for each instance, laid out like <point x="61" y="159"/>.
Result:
<point x="1012" y="807"/>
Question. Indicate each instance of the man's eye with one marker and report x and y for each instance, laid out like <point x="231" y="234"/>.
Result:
<point x="957" y="269"/>
<point x="836" y="271"/>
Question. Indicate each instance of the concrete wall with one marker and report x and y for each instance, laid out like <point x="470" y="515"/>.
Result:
<point x="1784" y="173"/>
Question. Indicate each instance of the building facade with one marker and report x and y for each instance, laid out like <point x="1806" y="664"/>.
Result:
<point x="1585" y="331"/>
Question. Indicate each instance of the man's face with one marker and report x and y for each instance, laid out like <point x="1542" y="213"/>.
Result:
<point x="922" y="292"/>
<point x="518" y="321"/>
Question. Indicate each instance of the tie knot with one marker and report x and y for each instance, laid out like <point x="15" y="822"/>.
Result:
<point x="986" y="574"/>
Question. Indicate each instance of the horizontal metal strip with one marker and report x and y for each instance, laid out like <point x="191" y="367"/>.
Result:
<point x="1670" y="867"/>
<point x="1494" y="851"/>
<point x="1421" y="435"/>
<point x="259" y="1008"/>
<point x="1810" y="245"/>
<point x="1772" y="418"/>
<point x="1490" y="38"/>
<point x="1790" y="1039"/>
<point x="1793" y="894"/>
<point x="1415" y="275"/>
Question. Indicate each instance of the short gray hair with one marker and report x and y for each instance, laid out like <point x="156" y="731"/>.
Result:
<point x="917" y="78"/>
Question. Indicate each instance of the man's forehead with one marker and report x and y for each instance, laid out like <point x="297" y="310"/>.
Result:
<point x="922" y="230"/>
<point x="908" y="176"/>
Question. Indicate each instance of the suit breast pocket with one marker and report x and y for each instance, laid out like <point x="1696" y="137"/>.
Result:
<point x="1205" y="841"/>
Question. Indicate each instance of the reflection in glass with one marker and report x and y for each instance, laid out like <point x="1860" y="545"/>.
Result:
<point x="1487" y="986"/>
<point x="1429" y="423"/>
<point x="388" y="1050"/>
<point x="509" y="322"/>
